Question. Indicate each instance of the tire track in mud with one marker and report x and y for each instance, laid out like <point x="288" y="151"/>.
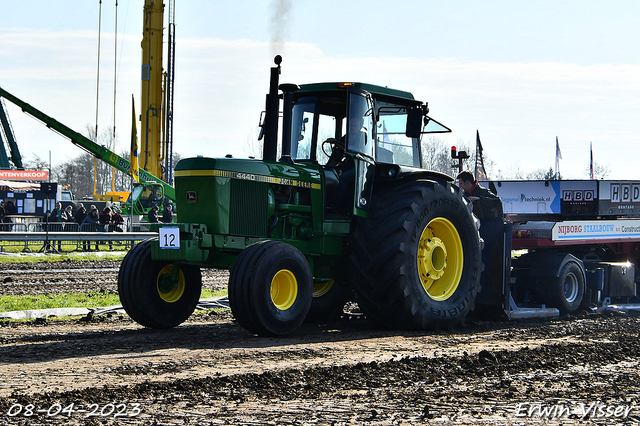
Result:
<point x="210" y="371"/>
<point x="77" y="276"/>
<point x="408" y="389"/>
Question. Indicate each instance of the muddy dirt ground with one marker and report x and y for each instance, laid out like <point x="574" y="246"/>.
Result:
<point x="107" y="370"/>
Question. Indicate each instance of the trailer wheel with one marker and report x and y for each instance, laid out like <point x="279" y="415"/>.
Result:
<point x="566" y="291"/>
<point x="329" y="298"/>
<point x="149" y="295"/>
<point x="417" y="257"/>
<point x="270" y="288"/>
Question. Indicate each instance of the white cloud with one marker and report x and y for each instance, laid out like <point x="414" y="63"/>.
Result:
<point x="519" y="108"/>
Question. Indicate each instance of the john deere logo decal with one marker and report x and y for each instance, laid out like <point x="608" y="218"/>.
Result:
<point x="250" y="176"/>
<point x="192" y="197"/>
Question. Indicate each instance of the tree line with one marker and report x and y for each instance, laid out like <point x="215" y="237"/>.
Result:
<point x="77" y="173"/>
<point x="436" y="155"/>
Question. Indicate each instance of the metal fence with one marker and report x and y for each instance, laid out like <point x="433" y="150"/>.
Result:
<point x="69" y="237"/>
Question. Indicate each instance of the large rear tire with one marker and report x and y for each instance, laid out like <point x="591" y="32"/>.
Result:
<point x="148" y="293"/>
<point x="417" y="256"/>
<point x="270" y="288"/>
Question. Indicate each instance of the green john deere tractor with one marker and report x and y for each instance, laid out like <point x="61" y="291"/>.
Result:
<point x="345" y="211"/>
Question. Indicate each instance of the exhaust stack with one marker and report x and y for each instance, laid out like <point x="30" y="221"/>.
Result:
<point x="270" y="125"/>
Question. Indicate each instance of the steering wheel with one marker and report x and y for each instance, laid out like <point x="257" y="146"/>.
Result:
<point x="333" y="143"/>
<point x="337" y="152"/>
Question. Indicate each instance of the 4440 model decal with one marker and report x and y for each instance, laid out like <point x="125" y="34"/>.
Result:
<point x="248" y="176"/>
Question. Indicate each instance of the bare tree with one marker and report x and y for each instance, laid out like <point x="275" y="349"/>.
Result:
<point x="36" y="163"/>
<point x="542" y="174"/>
<point x="599" y="171"/>
<point x="253" y="147"/>
<point x="77" y="175"/>
<point x="436" y="155"/>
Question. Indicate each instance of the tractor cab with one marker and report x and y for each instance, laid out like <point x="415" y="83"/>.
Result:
<point x="143" y="197"/>
<point x="349" y="129"/>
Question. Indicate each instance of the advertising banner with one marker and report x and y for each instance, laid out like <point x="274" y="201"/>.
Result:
<point x="593" y="230"/>
<point x="586" y="198"/>
<point x="24" y="174"/>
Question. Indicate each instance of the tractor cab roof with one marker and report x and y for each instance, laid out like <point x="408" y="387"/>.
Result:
<point x="378" y="91"/>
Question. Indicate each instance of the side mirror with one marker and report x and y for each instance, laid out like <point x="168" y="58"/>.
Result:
<point x="261" y="125"/>
<point x="414" y="122"/>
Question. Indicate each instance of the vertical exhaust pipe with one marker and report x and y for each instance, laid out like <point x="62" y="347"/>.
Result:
<point x="270" y="126"/>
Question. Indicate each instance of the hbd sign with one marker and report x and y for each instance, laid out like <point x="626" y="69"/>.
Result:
<point x="625" y="193"/>
<point x="578" y="195"/>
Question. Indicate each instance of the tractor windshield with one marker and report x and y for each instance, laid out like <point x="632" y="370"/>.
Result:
<point x="315" y="120"/>
<point x="392" y="144"/>
<point x="372" y="127"/>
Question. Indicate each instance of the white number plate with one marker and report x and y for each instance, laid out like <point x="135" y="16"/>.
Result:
<point x="169" y="237"/>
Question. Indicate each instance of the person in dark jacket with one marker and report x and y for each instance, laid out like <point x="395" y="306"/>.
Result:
<point x="105" y="216"/>
<point x="116" y="220"/>
<point x="81" y="214"/>
<point x="152" y="216"/>
<point x="90" y="224"/>
<point x="89" y="220"/>
<point x="67" y="215"/>
<point x="167" y="213"/>
<point x="485" y="202"/>
<point x="10" y="208"/>
<point x="105" y="221"/>
<point x="56" y="217"/>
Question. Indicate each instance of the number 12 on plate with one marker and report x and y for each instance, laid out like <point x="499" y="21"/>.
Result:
<point x="169" y="237"/>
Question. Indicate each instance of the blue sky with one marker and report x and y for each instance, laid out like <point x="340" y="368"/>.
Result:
<point x="521" y="73"/>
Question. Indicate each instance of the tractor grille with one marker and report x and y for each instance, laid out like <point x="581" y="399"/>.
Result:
<point x="248" y="210"/>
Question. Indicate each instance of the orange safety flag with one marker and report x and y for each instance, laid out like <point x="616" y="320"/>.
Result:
<point x="134" y="157"/>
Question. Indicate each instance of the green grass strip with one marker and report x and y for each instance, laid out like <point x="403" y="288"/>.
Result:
<point x="60" y="258"/>
<point x="18" y="247"/>
<point x="72" y="300"/>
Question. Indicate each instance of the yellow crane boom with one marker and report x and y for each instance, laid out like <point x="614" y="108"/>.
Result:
<point x="151" y="152"/>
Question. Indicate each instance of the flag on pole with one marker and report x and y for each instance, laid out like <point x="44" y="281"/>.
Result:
<point x="558" y="158"/>
<point x="591" y="163"/>
<point x="133" y="156"/>
<point x="480" y="172"/>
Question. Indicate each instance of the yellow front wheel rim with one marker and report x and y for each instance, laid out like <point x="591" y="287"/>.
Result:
<point x="284" y="289"/>
<point x="169" y="291"/>
<point x="440" y="259"/>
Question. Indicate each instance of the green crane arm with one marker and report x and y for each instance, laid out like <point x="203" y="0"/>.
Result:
<point x="11" y="140"/>
<point x="87" y="144"/>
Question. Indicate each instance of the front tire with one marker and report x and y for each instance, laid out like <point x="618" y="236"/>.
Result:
<point x="148" y="293"/>
<point x="270" y="288"/>
<point x="417" y="256"/>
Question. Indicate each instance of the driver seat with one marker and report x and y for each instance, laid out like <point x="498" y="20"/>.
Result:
<point x="331" y="181"/>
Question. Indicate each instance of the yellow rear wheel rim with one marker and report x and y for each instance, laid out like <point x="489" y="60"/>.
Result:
<point x="440" y="259"/>
<point x="284" y="289"/>
<point x="169" y="291"/>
